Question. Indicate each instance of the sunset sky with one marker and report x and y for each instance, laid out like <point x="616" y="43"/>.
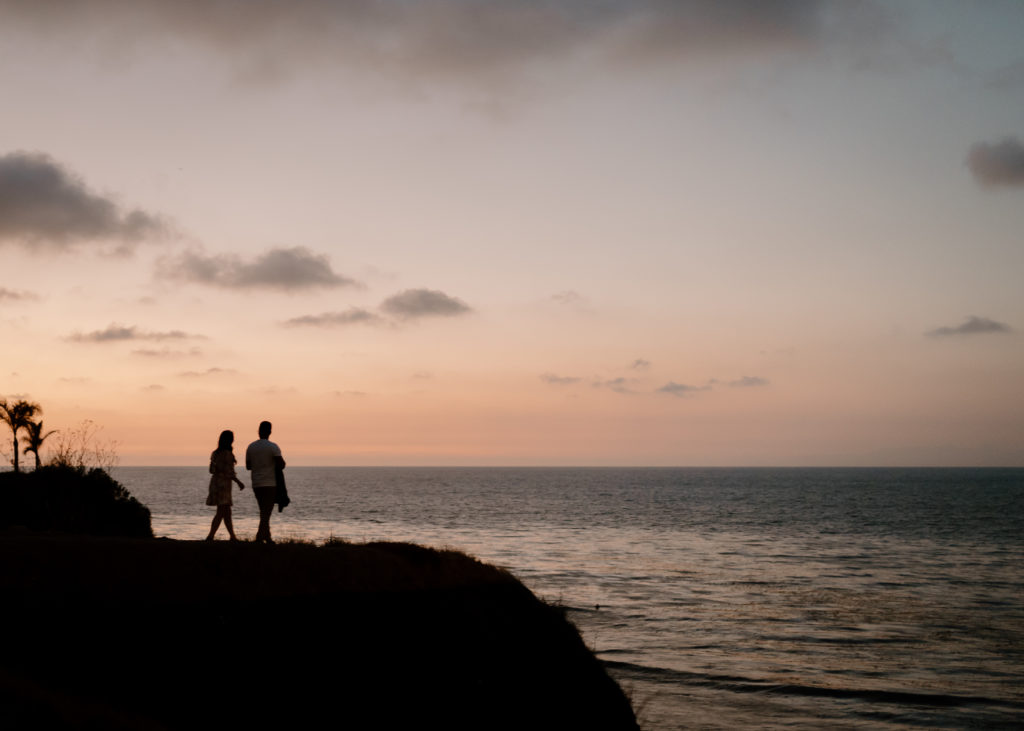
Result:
<point x="512" y="232"/>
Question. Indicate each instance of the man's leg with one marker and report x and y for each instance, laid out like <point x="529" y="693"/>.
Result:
<point x="265" y="499"/>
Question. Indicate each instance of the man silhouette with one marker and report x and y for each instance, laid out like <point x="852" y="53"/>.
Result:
<point x="263" y="459"/>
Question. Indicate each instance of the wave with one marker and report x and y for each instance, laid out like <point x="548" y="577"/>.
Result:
<point x="739" y="684"/>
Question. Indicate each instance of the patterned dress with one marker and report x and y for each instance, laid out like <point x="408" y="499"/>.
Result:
<point x="222" y="467"/>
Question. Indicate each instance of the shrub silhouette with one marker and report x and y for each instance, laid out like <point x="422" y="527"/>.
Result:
<point x="71" y="500"/>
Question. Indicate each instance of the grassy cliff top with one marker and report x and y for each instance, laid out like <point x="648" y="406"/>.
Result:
<point x="137" y="633"/>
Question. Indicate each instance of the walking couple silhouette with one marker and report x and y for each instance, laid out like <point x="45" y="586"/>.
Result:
<point x="263" y="459"/>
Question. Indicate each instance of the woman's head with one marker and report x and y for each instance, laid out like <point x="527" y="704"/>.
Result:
<point x="227" y="438"/>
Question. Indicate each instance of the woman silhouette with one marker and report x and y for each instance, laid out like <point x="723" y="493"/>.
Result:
<point x="222" y="467"/>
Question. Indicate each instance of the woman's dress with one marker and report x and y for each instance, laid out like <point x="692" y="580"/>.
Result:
<point x="222" y="467"/>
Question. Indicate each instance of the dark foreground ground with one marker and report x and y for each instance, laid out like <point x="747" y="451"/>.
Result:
<point x="119" y="633"/>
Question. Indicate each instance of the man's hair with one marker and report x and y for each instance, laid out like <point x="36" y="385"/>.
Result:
<point x="264" y="429"/>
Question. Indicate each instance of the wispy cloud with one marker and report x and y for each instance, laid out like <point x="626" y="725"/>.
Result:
<point x="971" y="326"/>
<point x="1009" y="77"/>
<point x="118" y="333"/>
<point x="568" y="297"/>
<point x="413" y="304"/>
<point x="748" y="382"/>
<point x="556" y="380"/>
<point x="681" y="389"/>
<point x="43" y="206"/>
<point x="207" y="373"/>
<point x="167" y="353"/>
<point x="640" y="364"/>
<point x="351" y="316"/>
<point x="284" y="269"/>
<point x="10" y="295"/>
<point x="998" y="165"/>
<point x="618" y="385"/>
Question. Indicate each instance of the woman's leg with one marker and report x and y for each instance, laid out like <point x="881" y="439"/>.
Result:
<point x="217" y="518"/>
<point x="227" y="523"/>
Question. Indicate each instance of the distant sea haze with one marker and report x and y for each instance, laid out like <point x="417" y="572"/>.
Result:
<point x="719" y="598"/>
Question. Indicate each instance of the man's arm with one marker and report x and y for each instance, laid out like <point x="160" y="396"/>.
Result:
<point x="279" y="462"/>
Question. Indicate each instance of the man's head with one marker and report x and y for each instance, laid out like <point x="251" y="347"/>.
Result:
<point x="264" y="429"/>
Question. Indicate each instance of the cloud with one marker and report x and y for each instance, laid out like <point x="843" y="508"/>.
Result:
<point x="45" y="207"/>
<point x="972" y="326"/>
<point x="208" y="372"/>
<point x="284" y="269"/>
<point x="115" y="332"/>
<point x="640" y="364"/>
<point x="154" y="387"/>
<point x="681" y="389"/>
<point x="998" y="165"/>
<point x="568" y="297"/>
<point x="351" y="316"/>
<point x="452" y="39"/>
<point x="749" y="382"/>
<point x="415" y="303"/>
<point x="10" y="295"/>
<point x="1009" y="77"/>
<point x="572" y="301"/>
<point x="167" y="353"/>
<point x="619" y="385"/>
<point x="555" y="380"/>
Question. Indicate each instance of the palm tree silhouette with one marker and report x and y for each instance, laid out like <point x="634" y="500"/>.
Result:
<point x="18" y="416"/>
<point x="36" y="438"/>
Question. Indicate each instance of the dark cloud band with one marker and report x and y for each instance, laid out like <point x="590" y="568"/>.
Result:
<point x="452" y="38"/>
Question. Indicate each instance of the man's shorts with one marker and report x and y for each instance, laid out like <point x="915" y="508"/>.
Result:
<point x="265" y="497"/>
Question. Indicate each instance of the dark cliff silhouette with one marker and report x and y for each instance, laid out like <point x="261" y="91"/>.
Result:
<point x="131" y="634"/>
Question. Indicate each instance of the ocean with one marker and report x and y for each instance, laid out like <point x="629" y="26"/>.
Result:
<point x="718" y="598"/>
